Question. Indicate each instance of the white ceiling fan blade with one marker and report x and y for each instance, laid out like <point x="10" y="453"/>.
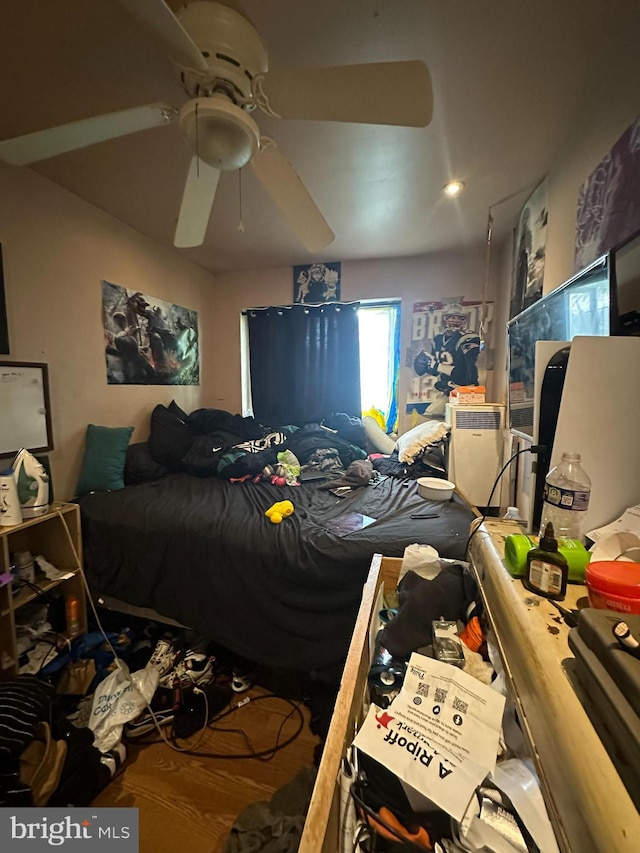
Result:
<point x="78" y="134"/>
<point x="396" y="93"/>
<point x="158" y="18"/>
<point x="197" y="201"/>
<point x="292" y="198"/>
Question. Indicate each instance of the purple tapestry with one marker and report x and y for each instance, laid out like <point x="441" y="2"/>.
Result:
<point x="609" y="200"/>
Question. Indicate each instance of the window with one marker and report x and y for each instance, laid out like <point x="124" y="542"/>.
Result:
<point x="379" y="346"/>
<point x="380" y="357"/>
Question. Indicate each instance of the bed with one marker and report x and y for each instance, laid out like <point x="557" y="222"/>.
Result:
<point x="201" y="551"/>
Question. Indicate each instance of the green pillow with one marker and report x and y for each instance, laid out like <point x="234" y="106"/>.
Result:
<point x="105" y="453"/>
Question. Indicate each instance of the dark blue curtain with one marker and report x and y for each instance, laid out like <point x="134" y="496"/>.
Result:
<point x="304" y="361"/>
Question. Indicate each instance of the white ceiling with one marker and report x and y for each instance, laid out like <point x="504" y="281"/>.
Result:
<point x="514" y="82"/>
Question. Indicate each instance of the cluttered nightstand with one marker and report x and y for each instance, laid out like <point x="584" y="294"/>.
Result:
<point x="55" y="536"/>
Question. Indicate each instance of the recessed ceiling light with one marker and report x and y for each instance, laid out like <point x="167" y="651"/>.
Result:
<point x="453" y="188"/>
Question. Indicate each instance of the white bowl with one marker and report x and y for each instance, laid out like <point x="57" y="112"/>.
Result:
<point x="435" y="489"/>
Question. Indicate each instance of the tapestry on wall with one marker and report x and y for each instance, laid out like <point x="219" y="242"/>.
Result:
<point x="4" y="325"/>
<point x="609" y="200"/>
<point x="316" y="283"/>
<point x="148" y="341"/>
<point x="444" y="350"/>
<point x="529" y="251"/>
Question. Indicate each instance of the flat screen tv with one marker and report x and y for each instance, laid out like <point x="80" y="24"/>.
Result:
<point x="584" y="305"/>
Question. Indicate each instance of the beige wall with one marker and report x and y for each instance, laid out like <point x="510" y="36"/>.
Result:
<point x="57" y="249"/>
<point x="615" y="107"/>
<point x="415" y="279"/>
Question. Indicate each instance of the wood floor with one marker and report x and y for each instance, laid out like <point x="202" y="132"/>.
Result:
<point x="190" y="803"/>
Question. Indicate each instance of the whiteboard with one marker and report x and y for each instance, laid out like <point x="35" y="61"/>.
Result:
<point x="25" y="419"/>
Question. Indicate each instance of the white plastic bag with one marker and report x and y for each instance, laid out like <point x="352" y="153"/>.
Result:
<point x="421" y="559"/>
<point x="118" y="699"/>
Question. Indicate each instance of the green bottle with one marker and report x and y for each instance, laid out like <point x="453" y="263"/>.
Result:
<point x="547" y="570"/>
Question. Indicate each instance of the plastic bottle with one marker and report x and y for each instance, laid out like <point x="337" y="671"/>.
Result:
<point x="518" y="545"/>
<point x="567" y="490"/>
<point x="10" y="510"/>
<point x="72" y="607"/>
<point x="547" y="570"/>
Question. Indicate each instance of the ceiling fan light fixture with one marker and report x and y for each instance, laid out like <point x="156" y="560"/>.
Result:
<point x="219" y="132"/>
<point x="453" y="188"/>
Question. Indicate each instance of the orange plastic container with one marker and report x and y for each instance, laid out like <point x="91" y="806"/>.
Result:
<point x="614" y="585"/>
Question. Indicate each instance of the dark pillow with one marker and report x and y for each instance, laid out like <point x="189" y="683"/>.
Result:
<point x="140" y="466"/>
<point x="169" y="438"/>
<point x="105" y="451"/>
<point x="175" y="409"/>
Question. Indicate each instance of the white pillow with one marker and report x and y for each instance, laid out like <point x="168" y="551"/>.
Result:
<point x="412" y="443"/>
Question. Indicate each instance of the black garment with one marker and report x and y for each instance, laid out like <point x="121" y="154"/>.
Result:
<point x="349" y="429"/>
<point x="208" y="421"/>
<point x="422" y="601"/>
<point x="83" y="775"/>
<point x="140" y="466"/>
<point x="312" y="437"/>
<point x="359" y="473"/>
<point x="24" y="702"/>
<point x="205" y="453"/>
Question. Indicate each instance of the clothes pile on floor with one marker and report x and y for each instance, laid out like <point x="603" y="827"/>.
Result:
<point x="64" y="731"/>
<point x="44" y="759"/>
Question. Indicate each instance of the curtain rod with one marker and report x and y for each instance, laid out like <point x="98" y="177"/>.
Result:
<point x="301" y="305"/>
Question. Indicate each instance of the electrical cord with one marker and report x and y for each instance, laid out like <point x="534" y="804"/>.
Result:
<point x="265" y="754"/>
<point x="535" y="448"/>
<point x="124" y="670"/>
<point x="42" y="593"/>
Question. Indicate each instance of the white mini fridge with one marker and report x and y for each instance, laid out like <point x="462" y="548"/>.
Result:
<point x="474" y="455"/>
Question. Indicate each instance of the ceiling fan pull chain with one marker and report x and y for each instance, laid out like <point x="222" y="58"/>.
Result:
<point x="197" y="142"/>
<point x="240" y="223"/>
<point x="261" y="96"/>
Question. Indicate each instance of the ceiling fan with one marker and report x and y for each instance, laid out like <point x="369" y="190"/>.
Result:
<point x="223" y="65"/>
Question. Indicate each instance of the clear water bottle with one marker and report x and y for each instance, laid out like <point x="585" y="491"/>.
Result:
<point x="567" y="490"/>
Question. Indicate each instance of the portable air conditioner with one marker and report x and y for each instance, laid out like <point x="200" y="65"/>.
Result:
<point x="474" y="455"/>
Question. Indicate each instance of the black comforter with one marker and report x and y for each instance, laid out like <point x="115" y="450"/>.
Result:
<point x="201" y="551"/>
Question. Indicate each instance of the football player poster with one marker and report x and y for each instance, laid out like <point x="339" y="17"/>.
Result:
<point x="443" y="355"/>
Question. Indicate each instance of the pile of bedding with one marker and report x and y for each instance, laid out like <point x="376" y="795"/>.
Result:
<point x="211" y="442"/>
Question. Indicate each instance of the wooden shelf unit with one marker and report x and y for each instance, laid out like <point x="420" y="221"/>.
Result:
<point x="57" y="537"/>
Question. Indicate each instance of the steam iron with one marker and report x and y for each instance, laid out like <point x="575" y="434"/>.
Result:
<point x="32" y="483"/>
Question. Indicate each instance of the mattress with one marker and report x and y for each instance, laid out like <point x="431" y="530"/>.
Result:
<point x="202" y="552"/>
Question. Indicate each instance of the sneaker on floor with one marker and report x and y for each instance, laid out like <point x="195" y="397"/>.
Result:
<point x="193" y="669"/>
<point x="114" y="759"/>
<point x="164" y="656"/>
<point x="242" y="680"/>
<point x="146" y="723"/>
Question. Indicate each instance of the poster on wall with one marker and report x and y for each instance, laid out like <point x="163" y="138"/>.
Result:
<point x="4" y="325"/>
<point x="529" y="251"/>
<point x="609" y="200"/>
<point x="316" y="283"/>
<point x="148" y="341"/>
<point x="444" y="350"/>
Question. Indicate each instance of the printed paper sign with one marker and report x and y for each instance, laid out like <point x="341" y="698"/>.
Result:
<point x="439" y="735"/>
